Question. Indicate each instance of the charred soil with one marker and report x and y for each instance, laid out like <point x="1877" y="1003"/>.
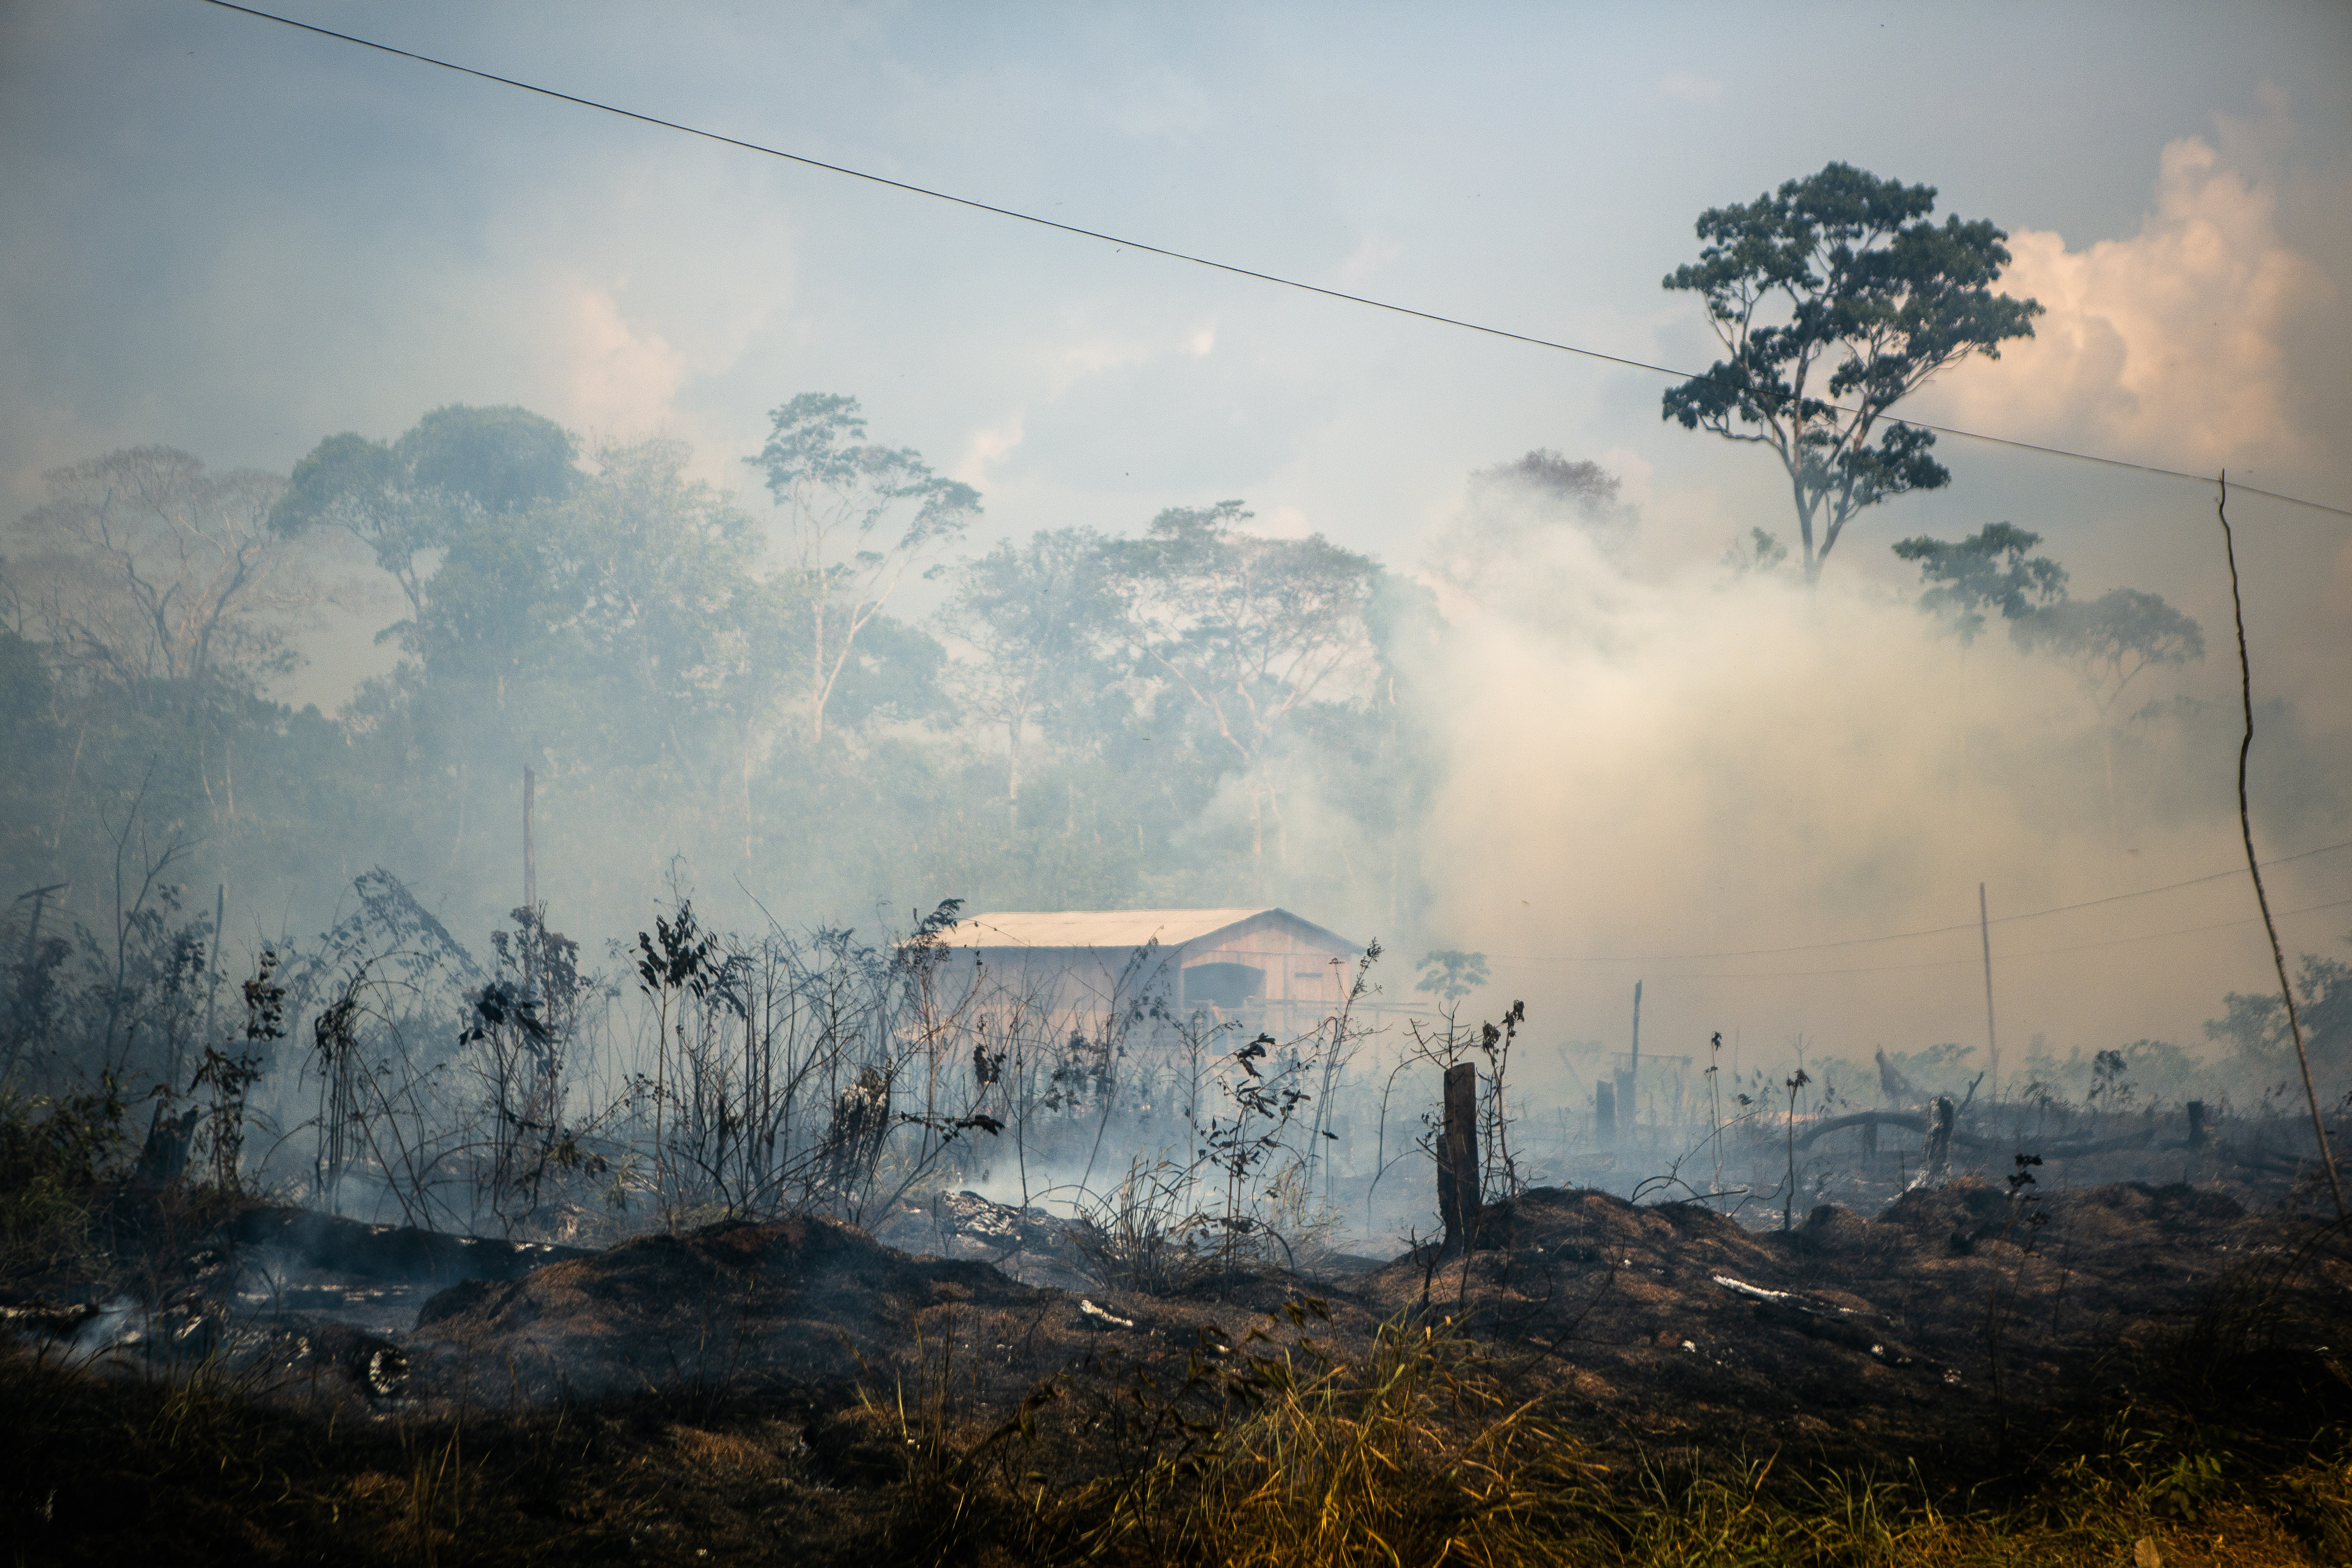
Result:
<point x="2067" y="1377"/>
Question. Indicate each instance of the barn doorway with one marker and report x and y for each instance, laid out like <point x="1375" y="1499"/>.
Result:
<point x="1226" y="985"/>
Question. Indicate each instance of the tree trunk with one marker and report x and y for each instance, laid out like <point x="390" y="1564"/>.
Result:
<point x="816" y="670"/>
<point x="1805" y="529"/>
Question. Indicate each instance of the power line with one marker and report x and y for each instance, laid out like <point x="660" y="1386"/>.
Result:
<point x="2185" y="931"/>
<point x="1210" y="263"/>
<point x="1929" y="930"/>
<point x="1934" y="962"/>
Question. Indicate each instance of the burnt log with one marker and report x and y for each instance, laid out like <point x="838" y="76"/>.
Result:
<point x="332" y="1245"/>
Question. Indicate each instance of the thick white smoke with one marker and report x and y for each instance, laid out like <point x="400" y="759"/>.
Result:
<point x="1711" y="762"/>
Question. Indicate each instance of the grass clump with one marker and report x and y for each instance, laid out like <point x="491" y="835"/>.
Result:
<point x="2135" y="1499"/>
<point x="54" y="1156"/>
<point x="1412" y="1455"/>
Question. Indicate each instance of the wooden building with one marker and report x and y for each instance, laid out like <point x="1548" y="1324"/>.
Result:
<point x="1264" y="965"/>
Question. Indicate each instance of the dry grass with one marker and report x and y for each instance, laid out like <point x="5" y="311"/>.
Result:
<point x="1413" y="1456"/>
<point x="1410" y="1456"/>
<point x="1416" y="1456"/>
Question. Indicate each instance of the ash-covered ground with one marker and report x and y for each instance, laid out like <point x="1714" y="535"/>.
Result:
<point x="746" y="1388"/>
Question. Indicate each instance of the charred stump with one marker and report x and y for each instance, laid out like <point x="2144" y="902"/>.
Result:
<point x="1938" y="1159"/>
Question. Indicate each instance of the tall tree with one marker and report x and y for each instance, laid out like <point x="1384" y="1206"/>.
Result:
<point x="1513" y="509"/>
<point x="2112" y="640"/>
<point x="663" y="560"/>
<point x="858" y="517"/>
<point x="409" y="499"/>
<point x="2108" y="642"/>
<point x="1989" y="569"/>
<point x="1041" y="615"/>
<point x="145" y="567"/>
<point x="1836" y="297"/>
<point x="668" y="613"/>
<point x="1248" y="631"/>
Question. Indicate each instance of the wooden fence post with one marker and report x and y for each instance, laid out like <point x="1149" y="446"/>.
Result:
<point x="1457" y="1157"/>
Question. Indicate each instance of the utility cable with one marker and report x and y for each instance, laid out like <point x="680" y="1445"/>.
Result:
<point x="1225" y="267"/>
<point x="1925" y="962"/>
<point x="1927" y="931"/>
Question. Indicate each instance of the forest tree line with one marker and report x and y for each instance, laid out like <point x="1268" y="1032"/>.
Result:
<point x="1076" y="717"/>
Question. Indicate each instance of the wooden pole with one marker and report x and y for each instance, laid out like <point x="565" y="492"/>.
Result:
<point x="1633" y="1074"/>
<point x="1993" y="1041"/>
<point x="1457" y="1157"/>
<point x="530" y="850"/>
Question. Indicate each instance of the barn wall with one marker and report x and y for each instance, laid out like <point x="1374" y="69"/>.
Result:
<point x="1298" y="967"/>
<point x="1080" y="979"/>
<point x="1078" y="984"/>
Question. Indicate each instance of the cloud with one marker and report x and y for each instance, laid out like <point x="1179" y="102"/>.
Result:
<point x="985" y="448"/>
<point x="2171" y="346"/>
<point x="1284" y="522"/>
<point x="614" y="379"/>
<point x="1691" y="88"/>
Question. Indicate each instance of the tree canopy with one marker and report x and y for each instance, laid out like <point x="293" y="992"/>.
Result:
<point x="146" y="567"/>
<point x="1837" y="296"/>
<point x="424" y="492"/>
<point x="858" y="517"/>
<point x="2108" y="642"/>
<point x="1044" y="617"/>
<point x="1246" y="631"/>
<point x="1989" y="569"/>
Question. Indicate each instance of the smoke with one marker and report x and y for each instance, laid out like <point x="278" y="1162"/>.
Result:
<point x="1719" y="784"/>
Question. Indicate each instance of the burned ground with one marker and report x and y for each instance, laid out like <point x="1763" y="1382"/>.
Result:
<point x="753" y="1388"/>
<point x="1950" y="1330"/>
<point x="805" y="1300"/>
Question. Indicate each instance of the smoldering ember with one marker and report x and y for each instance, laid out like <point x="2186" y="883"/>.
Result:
<point x="920" y="786"/>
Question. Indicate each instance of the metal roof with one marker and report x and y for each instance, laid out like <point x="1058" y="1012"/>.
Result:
<point x="1125" y="928"/>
